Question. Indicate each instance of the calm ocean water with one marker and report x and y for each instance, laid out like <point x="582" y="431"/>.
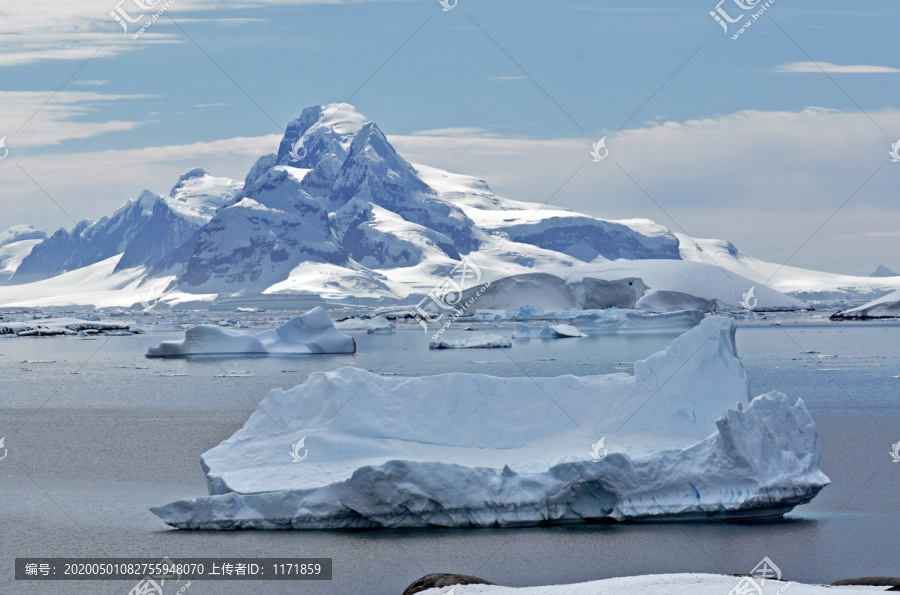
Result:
<point x="97" y="434"/>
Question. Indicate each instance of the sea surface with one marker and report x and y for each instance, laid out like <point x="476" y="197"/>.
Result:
<point x="96" y="434"/>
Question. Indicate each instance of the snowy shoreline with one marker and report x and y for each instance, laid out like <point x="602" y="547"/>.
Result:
<point x="670" y="584"/>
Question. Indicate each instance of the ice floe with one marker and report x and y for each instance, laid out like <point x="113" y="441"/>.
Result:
<point x="479" y="341"/>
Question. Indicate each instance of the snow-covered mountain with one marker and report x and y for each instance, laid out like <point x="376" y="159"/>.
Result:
<point x="883" y="271"/>
<point x="801" y="283"/>
<point x="145" y="231"/>
<point x="339" y="198"/>
<point x="15" y="244"/>
<point x="337" y="213"/>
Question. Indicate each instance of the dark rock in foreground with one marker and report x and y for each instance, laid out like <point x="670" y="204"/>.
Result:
<point x="443" y="579"/>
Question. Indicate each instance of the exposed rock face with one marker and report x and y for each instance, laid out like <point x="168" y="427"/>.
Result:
<point x="442" y="579"/>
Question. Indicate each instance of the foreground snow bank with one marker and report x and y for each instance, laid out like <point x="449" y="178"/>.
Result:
<point x="511" y="455"/>
<point x="312" y="332"/>
<point x="670" y="584"/>
<point x="884" y="307"/>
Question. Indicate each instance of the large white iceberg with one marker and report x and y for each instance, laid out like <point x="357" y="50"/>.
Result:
<point x="312" y="332"/>
<point x="470" y="450"/>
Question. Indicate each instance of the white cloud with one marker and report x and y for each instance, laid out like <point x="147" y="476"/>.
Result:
<point x="31" y="118"/>
<point x="67" y="30"/>
<point x="818" y="67"/>
<point x="456" y="132"/>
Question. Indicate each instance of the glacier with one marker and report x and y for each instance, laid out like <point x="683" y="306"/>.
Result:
<point x="684" y="442"/>
<point x="312" y="332"/>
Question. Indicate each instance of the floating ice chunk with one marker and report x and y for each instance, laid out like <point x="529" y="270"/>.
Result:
<point x="548" y="331"/>
<point x="512" y="456"/>
<point x="480" y="341"/>
<point x="560" y="331"/>
<point x="52" y="327"/>
<point x="140" y="326"/>
<point x="312" y="332"/>
<point x="371" y="325"/>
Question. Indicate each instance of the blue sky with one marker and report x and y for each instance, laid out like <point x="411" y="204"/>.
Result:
<point x="540" y="78"/>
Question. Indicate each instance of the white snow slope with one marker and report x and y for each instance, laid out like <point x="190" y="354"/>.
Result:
<point x="802" y="283"/>
<point x="466" y="450"/>
<point x="669" y="584"/>
<point x="15" y="244"/>
<point x="312" y="332"/>
<point x="885" y="307"/>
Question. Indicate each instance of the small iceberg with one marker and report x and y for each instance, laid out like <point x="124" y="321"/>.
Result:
<point x="480" y="341"/>
<point x="679" y="440"/>
<point x="548" y="331"/>
<point x="312" y="332"/>
<point x="374" y="325"/>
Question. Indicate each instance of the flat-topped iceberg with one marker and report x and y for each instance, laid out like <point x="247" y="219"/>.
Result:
<point x="312" y="332"/>
<point x="480" y="341"/>
<point x="470" y="450"/>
